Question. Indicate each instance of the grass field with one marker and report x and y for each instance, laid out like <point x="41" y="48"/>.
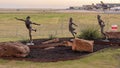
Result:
<point x="57" y="24"/>
<point x="51" y="23"/>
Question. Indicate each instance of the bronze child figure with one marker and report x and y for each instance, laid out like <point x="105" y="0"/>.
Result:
<point x="28" y="25"/>
<point x="101" y="24"/>
<point x="71" y="28"/>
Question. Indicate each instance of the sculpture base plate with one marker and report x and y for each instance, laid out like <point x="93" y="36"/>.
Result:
<point x="30" y="44"/>
<point x="106" y="40"/>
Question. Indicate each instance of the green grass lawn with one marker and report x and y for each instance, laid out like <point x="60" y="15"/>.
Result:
<point x="51" y="23"/>
<point x="107" y="58"/>
<point x="57" y="25"/>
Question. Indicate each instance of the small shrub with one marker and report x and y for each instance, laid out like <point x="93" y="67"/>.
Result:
<point x="51" y="36"/>
<point x="90" y="34"/>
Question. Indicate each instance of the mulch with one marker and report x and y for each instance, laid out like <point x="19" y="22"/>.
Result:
<point x="53" y="54"/>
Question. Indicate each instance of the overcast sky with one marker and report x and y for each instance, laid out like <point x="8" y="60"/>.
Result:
<point x="49" y="3"/>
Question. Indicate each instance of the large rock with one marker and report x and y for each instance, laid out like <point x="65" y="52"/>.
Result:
<point x="67" y="43"/>
<point x="15" y="49"/>
<point x="80" y="45"/>
<point x="114" y="35"/>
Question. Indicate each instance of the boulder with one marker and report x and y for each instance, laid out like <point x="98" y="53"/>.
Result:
<point x="67" y="43"/>
<point x="80" y="45"/>
<point x="13" y="49"/>
<point x="113" y="35"/>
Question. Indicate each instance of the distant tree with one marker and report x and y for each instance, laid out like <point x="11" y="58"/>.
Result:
<point x="71" y="8"/>
<point x="104" y="6"/>
<point x="17" y="9"/>
<point x="94" y="6"/>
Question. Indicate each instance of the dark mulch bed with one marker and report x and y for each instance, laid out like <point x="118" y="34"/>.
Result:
<point x="58" y="53"/>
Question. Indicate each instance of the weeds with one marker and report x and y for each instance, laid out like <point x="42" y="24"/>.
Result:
<point x="51" y="36"/>
<point x="90" y="34"/>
